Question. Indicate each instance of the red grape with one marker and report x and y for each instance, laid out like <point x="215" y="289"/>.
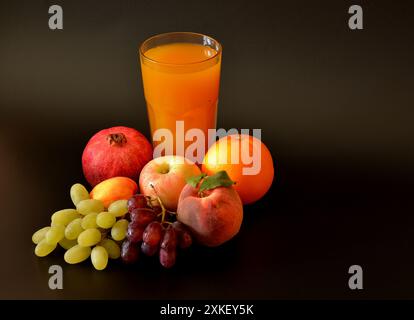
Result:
<point x="148" y="250"/>
<point x="137" y="201"/>
<point x="134" y="232"/>
<point x="145" y="226"/>
<point x="185" y="240"/>
<point x="183" y="235"/>
<point x="142" y="216"/>
<point x="169" y="242"/>
<point x="157" y="209"/>
<point x="129" y="252"/>
<point x="177" y="225"/>
<point x="153" y="233"/>
<point x="167" y="257"/>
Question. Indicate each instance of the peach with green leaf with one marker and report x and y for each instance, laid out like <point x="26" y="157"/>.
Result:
<point x="211" y="208"/>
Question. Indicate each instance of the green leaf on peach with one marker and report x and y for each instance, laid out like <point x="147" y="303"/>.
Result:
<point x="220" y="179"/>
<point x="194" y="180"/>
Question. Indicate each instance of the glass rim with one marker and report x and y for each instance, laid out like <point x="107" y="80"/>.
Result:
<point x="142" y="53"/>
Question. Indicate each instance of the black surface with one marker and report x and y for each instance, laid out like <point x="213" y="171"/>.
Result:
<point x="335" y="107"/>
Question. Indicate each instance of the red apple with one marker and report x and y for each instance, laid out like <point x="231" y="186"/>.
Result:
<point x="213" y="217"/>
<point x="166" y="177"/>
<point x="115" y="152"/>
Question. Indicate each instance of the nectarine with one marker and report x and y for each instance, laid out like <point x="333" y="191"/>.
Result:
<point x="117" y="188"/>
<point x="213" y="217"/>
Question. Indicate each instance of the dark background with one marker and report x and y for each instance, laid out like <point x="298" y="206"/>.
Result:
<point x="335" y="107"/>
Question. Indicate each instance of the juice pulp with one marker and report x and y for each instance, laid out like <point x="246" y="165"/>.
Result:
<point x="181" y="82"/>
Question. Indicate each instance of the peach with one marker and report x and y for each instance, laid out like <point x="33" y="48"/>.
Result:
<point x="168" y="176"/>
<point x="117" y="188"/>
<point x="213" y="217"/>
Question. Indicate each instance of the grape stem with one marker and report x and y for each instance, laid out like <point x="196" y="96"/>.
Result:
<point x="163" y="210"/>
<point x="165" y="223"/>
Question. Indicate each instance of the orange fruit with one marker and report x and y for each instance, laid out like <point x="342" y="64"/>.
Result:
<point x="246" y="160"/>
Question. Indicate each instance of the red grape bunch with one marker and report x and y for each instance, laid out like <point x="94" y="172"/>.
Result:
<point x="152" y="230"/>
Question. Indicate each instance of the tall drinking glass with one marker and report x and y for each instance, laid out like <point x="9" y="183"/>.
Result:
<point x="181" y="75"/>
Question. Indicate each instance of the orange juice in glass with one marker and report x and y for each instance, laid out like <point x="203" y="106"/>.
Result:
<point x="181" y="75"/>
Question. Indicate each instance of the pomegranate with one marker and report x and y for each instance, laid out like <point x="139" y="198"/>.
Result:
<point x="115" y="152"/>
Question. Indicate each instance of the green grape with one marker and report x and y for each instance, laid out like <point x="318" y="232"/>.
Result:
<point x="66" y="244"/>
<point x="90" y="205"/>
<point x="39" y="235"/>
<point x="43" y="248"/>
<point x="78" y="193"/>
<point x="65" y="216"/>
<point x="105" y="220"/>
<point x="54" y="223"/>
<point x="77" y="254"/>
<point x="89" y="237"/>
<point x="74" y="229"/>
<point x="55" y="234"/>
<point x="111" y="247"/>
<point x="118" y="208"/>
<point x="118" y="231"/>
<point x="89" y="221"/>
<point x="99" y="257"/>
